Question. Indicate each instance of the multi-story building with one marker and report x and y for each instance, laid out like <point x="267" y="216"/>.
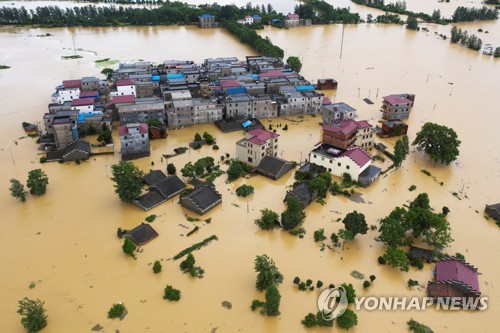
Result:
<point x="293" y="103"/>
<point x="83" y="105"/>
<point x="332" y="113"/>
<point x="141" y="112"/>
<point x="206" y="21"/>
<point x="365" y="136"/>
<point x="134" y="141"/>
<point x="239" y="106"/>
<point x="349" y="133"/>
<point x="292" y="20"/>
<point x="257" y="144"/>
<point x="264" y="106"/>
<point x="124" y="87"/>
<point x="68" y="91"/>
<point x="206" y="111"/>
<point x="144" y="89"/>
<point x="65" y="131"/>
<point x="89" y="84"/>
<point x="48" y="118"/>
<point x="312" y="102"/>
<point x="180" y="113"/>
<point x="397" y="106"/>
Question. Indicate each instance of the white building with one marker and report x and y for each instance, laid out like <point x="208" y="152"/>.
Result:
<point x="257" y="144"/>
<point x="68" y="91"/>
<point x="124" y="87"/>
<point x="249" y="19"/>
<point x="337" y="161"/>
<point x="82" y="105"/>
<point x="365" y="137"/>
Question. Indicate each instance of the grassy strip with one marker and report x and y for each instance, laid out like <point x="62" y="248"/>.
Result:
<point x="195" y="247"/>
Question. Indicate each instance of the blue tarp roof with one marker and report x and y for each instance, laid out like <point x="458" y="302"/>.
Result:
<point x="256" y="16"/>
<point x="175" y="76"/>
<point x="155" y="77"/>
<point x="304" y="88"/>
<point x="246" y="123"/>
<point x="277" y="20"/>
<point x="206" y="16"/>
<point x="84" y="115"/>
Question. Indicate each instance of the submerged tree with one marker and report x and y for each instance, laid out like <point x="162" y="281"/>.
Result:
<point x="33" y="314"/>
<point x="294" y="63"/>
<point x="411" y="23"/>
<point x="128" y="180"/>
<point x="355" y="223"/>
<point x="397" y="258"/>
<point x="273" y="298"/>
<point x="401" y="150"/>
<point x="293" y="216"/>
<point x="347" y="320"/>
<point x="268" y="219"/>
<point x="17" y="190"/>
<point x="267" y="273"/>
<point x="440" y="142"/>
<point x="37" y="182"/>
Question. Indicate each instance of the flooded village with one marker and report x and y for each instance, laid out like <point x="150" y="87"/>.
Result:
<point x="341" y="113"/>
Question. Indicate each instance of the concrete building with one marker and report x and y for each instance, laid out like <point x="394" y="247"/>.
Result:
<point x="48" y="119"/>
<point x="392" y="128"/>
<point x="144" y="89"/>
<point x="65" y="131"/>
<point x="337" y="112"/>
<point x="141" y="112"/>
<point x="349" y="133"/>
<point x="293" y="103"/>
<point x="365" y="136"/>
<point x="264" y="107"/>
<point x="180" y="113"/>
<point x="68" y="91"/>
<point x="338" y="161"/>
<point x="257" y="144"/>
<point x="292" y="20"/>
<point x="239" y="106"/>
<point x="134" y="141"/>
<point x="82" y="105"/>
<point x="397" y="106"/>
<point x="89" y="84"/>
<point x="124" y="87"/>
<point x="206" y="21"/>
<point x="256" y="18"/>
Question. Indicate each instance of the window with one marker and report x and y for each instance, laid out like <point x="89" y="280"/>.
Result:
<point x="315" y="156"/>
<point x="143" y="142"/>
<point x="250" y="160"/>
<point x="330" y="161"/>
<point x="338" y="164"/>
<point x="262" y="154"/>
<point x="330" y="169"/>
<point x="347" y="167"/>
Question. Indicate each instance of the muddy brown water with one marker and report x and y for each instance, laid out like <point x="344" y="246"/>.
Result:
<point x="65" y="241"/>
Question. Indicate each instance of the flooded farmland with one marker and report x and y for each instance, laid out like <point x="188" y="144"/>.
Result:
<point x="65" y="241"/>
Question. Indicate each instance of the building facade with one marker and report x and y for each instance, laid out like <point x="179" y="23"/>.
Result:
<point x="332" y="113"/>
<point x="134" y="141"/>
<point x="141" y="113"/>
<point x="257" y="144"/>
<point x="239" y="106"/>
<point x="397" y="106"/>
<point x="206" y="21"/>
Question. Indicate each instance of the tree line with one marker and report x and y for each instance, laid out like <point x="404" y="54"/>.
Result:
<point x="462" y="37"/>
<point x="322" y="12"/>
<point x="461" y="14"/>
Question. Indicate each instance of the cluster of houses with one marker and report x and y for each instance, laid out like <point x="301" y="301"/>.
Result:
<point x="291" y="20"/>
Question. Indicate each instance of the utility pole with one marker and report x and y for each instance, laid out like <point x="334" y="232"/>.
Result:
<point x="74" y="47"/>
<point x="342" y="40"/>
<point x="428" y="77"/>
<point x="359" y="90"/>
<point x="377" y="93"/>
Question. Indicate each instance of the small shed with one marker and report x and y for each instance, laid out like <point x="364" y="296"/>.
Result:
<point x="142" y="234"/>
<point x="420" y="253"/>
<point x="303" y="193"/>
<point x="273" y="167"/>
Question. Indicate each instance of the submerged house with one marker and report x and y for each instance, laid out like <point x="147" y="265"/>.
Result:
<point x="142" y="234"/>
<point x="161" y="188"/>
<point x="273" y="167"/>
<point x="397" y="106"/>
<point x="493" y="211"/>
<point x="202" y="199"/>
<point x="456" y="282"/>
<point x="134" y="140"/>
<point x="303" y="193"/>
<point x="392" y="128"/>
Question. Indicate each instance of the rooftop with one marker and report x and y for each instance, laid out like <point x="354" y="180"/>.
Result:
<point x="346" y="127"/>
<point x="124" y="129"/>
<point x="123" y="99"/>
<point x="341" y="107"/>
<point x="155" y="106"/>
<point x="142" y="234"/>
<point x="82" y="102"/>
<point x="204" y="196"/>
<point x="397" y="99"/>
<point x="124" y="82"/>
<point x="449" y="269"/>
<point x="260" y="136"/>
<point x="273" y="167"/>
<point x="154" y="177"/>
<point x="71" y="83"/>
<point x="358" y="155"/>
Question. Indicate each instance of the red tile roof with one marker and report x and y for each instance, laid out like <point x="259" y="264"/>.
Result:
<point x="229" y="83"/>
<point x="82" y="102"/>
<point x="260" y="136"/>
<point x="363" y="124"/>
<point x="272" y="73"/>
<point x="395" y="99"/>
<point x="125" y="82"/>
<point x="326" y="101"/>
<point x="345" y="127"/>
<point x="358" y="155"/>
<point x="71" y="83"/>
<point x="293" y="16"/>
<point x="123" y="99"/>
<point x="84" y="94"/>
<point x="123" y="130"/>
<point x="455" y="269"/>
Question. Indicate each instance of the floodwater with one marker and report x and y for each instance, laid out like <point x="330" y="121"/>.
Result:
<point x="65" y="241"/>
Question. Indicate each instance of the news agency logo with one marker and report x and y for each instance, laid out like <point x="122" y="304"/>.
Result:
<point x="332" y="303"/>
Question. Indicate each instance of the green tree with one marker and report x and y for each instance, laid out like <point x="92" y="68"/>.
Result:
<point x="33" y="314"/>
<point x="37" y="182"/>
<point x="496" y="54"/>
<point x="268" y="219"/>
<point x="417" y="327"/>
<point x="128" y="180"/>
<point x="397" y="258"/>
<point x="108" y="72"/>
<point x="234" y="171"/>
<point x="105" y="135"/>
<point x="189" y="170"/>
<point x="347" y="320"/>
<point x="157" y="267"/>
<point x="392" y="228"/>
<point x="346" y="235"/>
<point x="17" y="190"/>
<point x="421" y="201"/>
<point x="129" y="247"/>
<point x="411" y="23"/>
<point x="273" y="298"/>
<point x="244" y="190"/>
<point x="267" y="273"/>
<point x="350" y="292"/>
<point x="319" y="235"/>
<point x="438" y="234"/>
<point x="171" y="293"/>
<point x="294" y="63"/>
<point x="401" y="150"/>
<point x="197" y="137"/>
<point x="293" y="216"/>
<point x="309" y="320"/>
<point x="440" y="142"/>
<point x="188" y="264"/>
<point x="171" y="170"/>
<point x="208" y="138"/>
<point x="355" y="223"/>
<point x="117" y="310"/>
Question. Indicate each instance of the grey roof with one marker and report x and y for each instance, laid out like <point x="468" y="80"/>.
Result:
<point x="342" y="107"/>
<point x="274" y="167"/>
<point x="303" y="193"/>
<point x="238" y="98"/>
<point x="89" y="79"/>
<point x="493" y="211"/>
<point x="155" y="106"/>
<point x="204" y="196"/>
<point x="58" y="155"/>
<point x="418" y="252"/>
<point x="142" y="234"/>
<point x="150" y="200"/>
<point x="370" y="173"/>
<point x="170" y="186"/>
<point x="154" y="177"/>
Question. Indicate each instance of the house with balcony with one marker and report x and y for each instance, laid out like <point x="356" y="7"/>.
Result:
<point x="239" y="106"/>
<point x="141" y="112"/>
<point x="397" y="106"/>
<point x="207" y="21"/>
<point x="67" y="91"/>
<point x="134" y="140"/>
<point x="124" y="87"/>
<point x="257" y="144"/>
